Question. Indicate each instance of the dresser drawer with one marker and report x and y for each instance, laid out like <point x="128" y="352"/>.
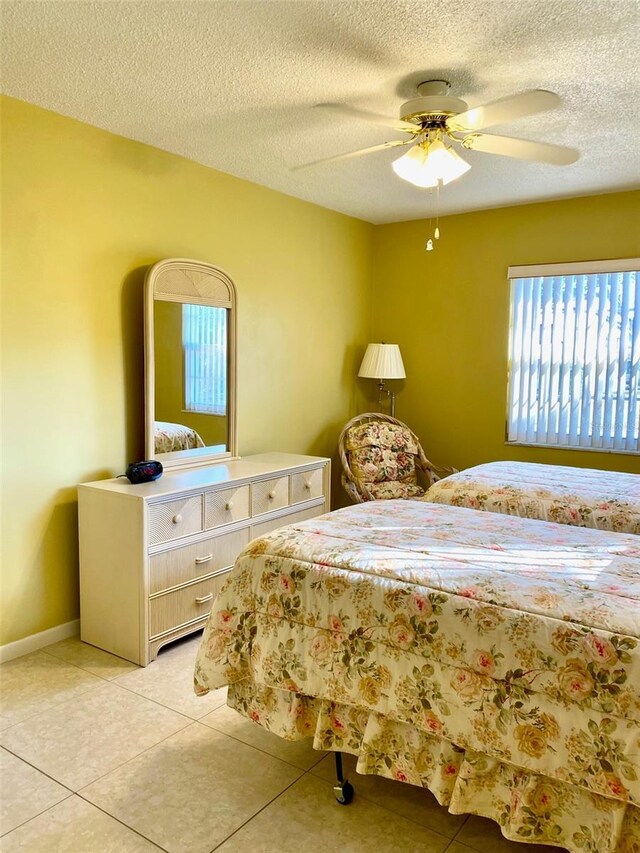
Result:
<point x="264" y="527"/>
<point x="306" y="486"/>
<point x="269" y="494"/>
<point x="225" y="506"/>
<point x="174" y="519"/>
<point x="185" y="564"/>
<point x="173" y="609"/>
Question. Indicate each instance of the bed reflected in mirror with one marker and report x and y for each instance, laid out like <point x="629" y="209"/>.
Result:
<point x="190" y="346"/>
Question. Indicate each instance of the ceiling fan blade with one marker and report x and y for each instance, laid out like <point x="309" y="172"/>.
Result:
<point x="506" y="109"/>
<point x="523" y="149"/>
<point x="372" y="118"/>
<point x="359" y="153"/>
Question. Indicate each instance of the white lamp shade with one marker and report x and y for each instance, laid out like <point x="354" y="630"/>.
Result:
<point x="430" y="162"/>
<point x="382" y="361"/>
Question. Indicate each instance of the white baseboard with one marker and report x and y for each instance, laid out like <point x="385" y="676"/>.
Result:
<point x="39" y="641"/>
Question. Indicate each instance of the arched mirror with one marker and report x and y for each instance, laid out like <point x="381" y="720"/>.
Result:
<point x="190" y="363"/>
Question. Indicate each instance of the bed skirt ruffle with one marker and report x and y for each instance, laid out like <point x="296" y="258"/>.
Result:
<point x="528" y="807"/>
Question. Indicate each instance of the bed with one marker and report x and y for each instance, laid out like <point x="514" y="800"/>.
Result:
<point x="169" y="437"/>
<point x="491" y="659"/>
<point x="583" y="497"/>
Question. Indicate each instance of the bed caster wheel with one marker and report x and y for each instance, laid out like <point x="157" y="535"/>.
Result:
<point x="343" y="792"/>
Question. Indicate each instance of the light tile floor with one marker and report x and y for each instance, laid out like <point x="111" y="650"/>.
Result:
<point x="98" y="755"/>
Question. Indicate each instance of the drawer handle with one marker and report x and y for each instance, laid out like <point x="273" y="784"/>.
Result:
<point x="177" y="519"/>
<point x="272" y="495"/>
<point x="307" y="485"/>
<point x="228" y="505"/>
<point x="204" y="598"/>
<point x="200" y="560"/>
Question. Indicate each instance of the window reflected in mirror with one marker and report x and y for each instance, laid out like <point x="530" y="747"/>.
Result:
<point x="191" y="376"/>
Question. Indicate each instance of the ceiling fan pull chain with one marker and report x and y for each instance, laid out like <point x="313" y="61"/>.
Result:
<point x="429" y="244"/>
<point x="436" y="233"/>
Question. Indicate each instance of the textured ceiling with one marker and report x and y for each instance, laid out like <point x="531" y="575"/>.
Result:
<point x="233" y="85"/>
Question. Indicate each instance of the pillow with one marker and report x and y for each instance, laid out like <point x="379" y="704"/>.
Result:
<point x="372" y="464"/>
<point x="386" y="491"/>
<point x="381" y="434"/>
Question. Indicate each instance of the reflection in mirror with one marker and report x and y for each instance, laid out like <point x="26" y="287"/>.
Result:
<point x="191" y="389"/>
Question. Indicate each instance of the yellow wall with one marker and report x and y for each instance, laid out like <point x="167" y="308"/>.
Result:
<point x="84" y="213"/>
<point x="449" y="311"/>
<point x="168" y="361"/>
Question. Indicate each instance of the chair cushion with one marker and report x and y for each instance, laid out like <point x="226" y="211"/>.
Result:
<point x="381" y="434"/>
<point x="379" y="464"/>
<point x="389" y="490"/>
<point x="380" y="452"/>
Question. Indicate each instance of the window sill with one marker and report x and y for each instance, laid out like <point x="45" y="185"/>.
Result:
<point x="544" y="446"/>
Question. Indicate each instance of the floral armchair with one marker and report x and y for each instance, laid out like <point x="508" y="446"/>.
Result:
<point x="381" y="459"/>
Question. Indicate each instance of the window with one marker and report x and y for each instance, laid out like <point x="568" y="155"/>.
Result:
<point x="574" y="355"/>
<point x="204" y="344"/>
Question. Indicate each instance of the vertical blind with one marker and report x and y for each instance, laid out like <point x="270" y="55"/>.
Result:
<point x="204" y="342"/>
<point x="575" y="360"/>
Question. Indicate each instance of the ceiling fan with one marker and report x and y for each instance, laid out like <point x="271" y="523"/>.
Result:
<point x="435" y="118"/>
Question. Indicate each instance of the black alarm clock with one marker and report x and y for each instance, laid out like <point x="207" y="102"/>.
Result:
<point x="144" y="472"/>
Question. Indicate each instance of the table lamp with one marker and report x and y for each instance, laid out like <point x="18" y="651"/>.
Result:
<point x="383" y="361"/>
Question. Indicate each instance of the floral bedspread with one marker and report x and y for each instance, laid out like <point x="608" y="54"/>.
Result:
<point x="491" y="659"/>
<point x="169" y="437"/>
<point x="584" y="497"/>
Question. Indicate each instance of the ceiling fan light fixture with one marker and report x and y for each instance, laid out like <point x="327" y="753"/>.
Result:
<point x="429" y="163"/>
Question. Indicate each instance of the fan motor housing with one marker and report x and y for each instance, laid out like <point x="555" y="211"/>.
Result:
<point x="432" y="110"/>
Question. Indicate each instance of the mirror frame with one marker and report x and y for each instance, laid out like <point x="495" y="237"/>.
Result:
<point x="198" y="283"/>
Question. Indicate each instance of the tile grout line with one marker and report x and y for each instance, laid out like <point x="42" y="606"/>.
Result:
<point x="62" y="701"/>
<point x="34" y="816"/>
<point x="58" y="782"/>
<point x="76" y="794"/>
<point x="303" y="773"/>
<point x="166" y="707"/>
<point x="323" y="754"/>
<point x="361" y="796"/>
<point x="135" y="757"/>
<point x="56" y="704"/>
<point x="191" y="721"/>
<point x="156" y="702"/>
<point x="405" y="817"/>
<point x="33" y="766"/>
<point x="77" y="666"/>
<point x="79" y="793"/>
<point x="114" y="681"/>
<point x="122" y="823"/>
<point x="266" y="805"/>
<point x="259" y="749"/>
<point x="106" y="681"/>
<point x="461" y="827"/>
<point x="83" y="668"/>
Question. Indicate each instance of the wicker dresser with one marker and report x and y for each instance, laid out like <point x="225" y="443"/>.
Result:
<point x="153" y="556"/>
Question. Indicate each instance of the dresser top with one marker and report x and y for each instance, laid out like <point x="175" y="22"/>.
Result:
<point x="212" y="474"/>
